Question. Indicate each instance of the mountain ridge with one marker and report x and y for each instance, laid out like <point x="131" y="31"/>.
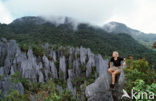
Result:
<point x="69" y="19"/>
<point x="97" y="39"/>
<point x="146" y="39"/>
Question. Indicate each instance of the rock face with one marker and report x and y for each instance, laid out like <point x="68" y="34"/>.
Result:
<point x="6" y="85"/>
<point x="101" y="86"/>
<point x="100" y="90"/>
<point x="67" y="64"/>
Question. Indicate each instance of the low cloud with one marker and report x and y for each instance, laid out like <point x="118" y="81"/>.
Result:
<point x="5" y="16"/>
<point x="57" y="20"/>
<point x="93" y="11"/>
<point x="138" y="14"/>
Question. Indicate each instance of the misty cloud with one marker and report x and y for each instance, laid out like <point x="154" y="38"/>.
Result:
<point x="134" y="13"/>
<point x="94" y="11"/>
<point x="5" y="16"/>
<point x="57" y="20"/>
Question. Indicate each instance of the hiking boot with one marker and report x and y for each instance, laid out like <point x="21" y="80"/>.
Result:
<point x="112" y="85"/>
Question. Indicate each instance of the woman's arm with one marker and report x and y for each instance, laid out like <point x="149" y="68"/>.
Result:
<point x="111" y="64"/>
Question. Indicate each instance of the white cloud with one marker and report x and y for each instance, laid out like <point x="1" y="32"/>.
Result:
<point x="5" y="16"/>
<point x="142" y="18"/>
<point x="94" y="11"/>
<point x="138" y="14"/>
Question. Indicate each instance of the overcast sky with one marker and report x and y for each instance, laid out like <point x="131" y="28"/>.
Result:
<point x="137" y="14"/>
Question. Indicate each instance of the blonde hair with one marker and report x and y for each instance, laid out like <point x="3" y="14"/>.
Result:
<point x="115" y="52"/>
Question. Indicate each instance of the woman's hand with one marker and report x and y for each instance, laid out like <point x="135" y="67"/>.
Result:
<point x="124" y="63"/>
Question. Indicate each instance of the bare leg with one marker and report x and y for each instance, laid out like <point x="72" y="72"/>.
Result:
<point x="113" y="76"/>
<point x="111" y="71"/>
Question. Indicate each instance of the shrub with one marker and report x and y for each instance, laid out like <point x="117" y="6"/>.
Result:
<point x="139" y="76"/>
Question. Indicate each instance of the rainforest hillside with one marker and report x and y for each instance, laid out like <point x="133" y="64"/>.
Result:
<point x="36" y="30"/>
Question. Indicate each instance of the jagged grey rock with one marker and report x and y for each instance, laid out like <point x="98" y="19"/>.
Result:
<point x="1" y="71"/>
<point x="83" y="53"/>
<point x="77" y="51"/>
<point x="53" y="70"/>
<point x="71" y="74"/>
<point x="71" y="88"/>
<point x="6" y="85"/>
<point x="90" y="63"/>
<point x="10" y="51"/>
<point x="60" y="51"/>
<point x="29" y="66"/>
<point x="41" y="77"/>
<point x="76" y="67"/>
<point x="46" y="62"/>
<point x="62" y="68"/>
<point x="118" y="87"/>
<point x="12" y="70"/>
<point x="59" y="88"/>
<point x="71" y="57"/>
<point x="4" y="39"/>
<point x="42" y="68"/>
<point x="46" y="46"/>
<point x="100" y="89"/>
<point x="46" y="67"/>
<point x="53" y="55"/>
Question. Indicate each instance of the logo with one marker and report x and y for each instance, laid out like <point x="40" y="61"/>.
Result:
<point x="138" y="95"/>
<point x="125" y="94"/>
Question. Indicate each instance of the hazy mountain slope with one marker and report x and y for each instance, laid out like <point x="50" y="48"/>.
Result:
<point x="144" y="38"/>
<point x="36" y="30"/>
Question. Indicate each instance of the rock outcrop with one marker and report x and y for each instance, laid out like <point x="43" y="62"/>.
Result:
<point x="6" y="85"/>
<point x="67" y="64"/>
<point x="100" y="90"/>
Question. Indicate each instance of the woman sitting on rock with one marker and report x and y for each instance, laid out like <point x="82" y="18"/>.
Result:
<point x="115" y="66"/>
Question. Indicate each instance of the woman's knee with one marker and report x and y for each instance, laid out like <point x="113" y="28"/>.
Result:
<point x="109" y="70"/>
<point x="116" y="72"/>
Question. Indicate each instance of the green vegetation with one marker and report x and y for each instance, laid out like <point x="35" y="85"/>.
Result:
<point x="140" y="77"/>
<point x="139" y="74"/>
<point x="33" y="34"/>
<point x="154" y="45"/>
<point x="15" y="96"/>
<point x="45" y="91"/>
